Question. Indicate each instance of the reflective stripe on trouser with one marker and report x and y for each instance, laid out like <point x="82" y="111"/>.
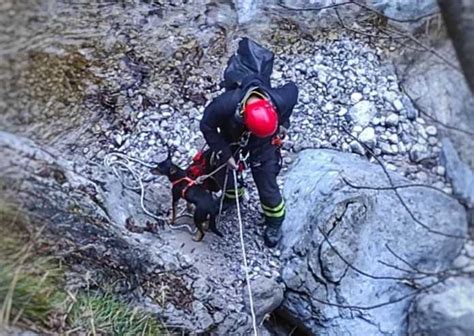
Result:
<point x="274" y="212"/>
<point x="265" y="177"/>
<point x="230" y="193"/>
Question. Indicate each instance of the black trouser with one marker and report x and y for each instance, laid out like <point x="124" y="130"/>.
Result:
<point x="264" y="172"/>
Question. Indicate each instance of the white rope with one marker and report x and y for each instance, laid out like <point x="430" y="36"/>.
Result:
<point x="109" y="161"/>
<point x="127" y="158"/>
<point x="200" y="179"/>
<point x="244" y="254"/>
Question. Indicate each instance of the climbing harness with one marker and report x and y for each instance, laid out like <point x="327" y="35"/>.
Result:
<point x="190" y="181"/>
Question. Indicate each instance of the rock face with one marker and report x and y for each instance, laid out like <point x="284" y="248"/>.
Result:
<point x="267" y="296"/>
<point x="405" y="9"/>
<point x="337" y="262"/>
<point x="104" y="222"/>
<point x="462" y="178"/>
<point x="446" y="310"/>
<point x="397" y="9"/>
<point x="442" y="93"/>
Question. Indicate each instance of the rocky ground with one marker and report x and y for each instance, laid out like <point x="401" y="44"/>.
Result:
<point x="345" y="84"/>
<point x="136" y="89"/>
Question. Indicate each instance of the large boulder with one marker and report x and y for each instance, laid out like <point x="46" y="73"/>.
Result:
<point x="446" y="310"/>
<point x="345" y="250"/>
<point x="322" y="13"/>
<point x="442" y="95"/>
<point x="459" y="174"/>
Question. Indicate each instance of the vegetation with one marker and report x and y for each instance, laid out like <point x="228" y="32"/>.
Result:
<point x="33" y="294"/>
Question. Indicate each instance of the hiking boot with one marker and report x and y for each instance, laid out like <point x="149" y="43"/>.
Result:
<point x="272" y="234"/>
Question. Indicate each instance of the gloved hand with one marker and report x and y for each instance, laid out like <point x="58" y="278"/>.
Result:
<point x="232" y="164"/>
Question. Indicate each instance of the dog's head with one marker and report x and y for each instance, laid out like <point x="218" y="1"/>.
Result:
<point x="165" y="167"/>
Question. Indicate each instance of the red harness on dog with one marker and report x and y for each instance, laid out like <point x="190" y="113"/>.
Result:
<point x="198" y="167"/>
<point x="191" y="182"/>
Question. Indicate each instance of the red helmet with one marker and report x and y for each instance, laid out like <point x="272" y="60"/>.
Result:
<point x="260" y="118"/>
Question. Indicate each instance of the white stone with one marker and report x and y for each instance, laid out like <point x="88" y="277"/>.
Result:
<point x="431" y="130"/>
<point x="362" y="113"/>
<point x="421" y="132"/>
<point x="329" y="106"/>
<point x="118" y="139"/>
<point x="392" y="120"/>
<point x="440" y="170"/>
<point x="398" y="105"/>
<point x="356" y="97"/>
<point x="391" y="166"/>
<point x="342" y="111"/>
<point x="367" y="136"/>
<point x="356" y="147"/>
<point x="393" y="138"/>
<point x="432" y="140"/>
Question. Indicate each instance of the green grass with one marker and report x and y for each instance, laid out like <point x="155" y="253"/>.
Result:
<point x="32" y="293"/>
<point x="102" y="314"/>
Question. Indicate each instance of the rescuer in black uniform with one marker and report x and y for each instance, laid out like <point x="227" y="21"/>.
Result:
<point x="253" y="117"/>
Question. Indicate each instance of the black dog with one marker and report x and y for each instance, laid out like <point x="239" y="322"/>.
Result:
<point x="184" y="187"/>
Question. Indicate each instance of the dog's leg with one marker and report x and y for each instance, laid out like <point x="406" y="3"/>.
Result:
<point x="213" y="226"/>
<point x="174" y="205"/>
<point x="199" y="218"/>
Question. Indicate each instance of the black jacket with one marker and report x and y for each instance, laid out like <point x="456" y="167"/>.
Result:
<point x="220" y="127"/>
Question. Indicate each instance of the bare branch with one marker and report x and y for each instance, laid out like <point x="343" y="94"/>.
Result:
<point x="402" y="202"/>
<point x="361" y="5"/>
<point x="315" y="8"/>
<point x="379" y="13"/>
<point x="350" y="265"/>
<point x="418" y="107"/>
<point x="398" y="268"/>
<point x="439" y="273"/>
<point x="424" y="46"/>
<point x="413" y="185"/>
<point x="401" y="298"/>
<point x="341" y="22"/>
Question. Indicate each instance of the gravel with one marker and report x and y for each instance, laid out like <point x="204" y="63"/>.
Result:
<point x="341" y="91"/>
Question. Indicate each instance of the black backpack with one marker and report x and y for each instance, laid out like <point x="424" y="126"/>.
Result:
<point x="250" y="59"/>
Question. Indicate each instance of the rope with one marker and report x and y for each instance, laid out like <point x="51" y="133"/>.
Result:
<point x="110" y="162"/>
<point x="200" y="179"/>
<point x="244" y="254"/>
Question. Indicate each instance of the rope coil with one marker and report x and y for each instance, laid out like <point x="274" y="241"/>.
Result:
<point x="112" y="159"/>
